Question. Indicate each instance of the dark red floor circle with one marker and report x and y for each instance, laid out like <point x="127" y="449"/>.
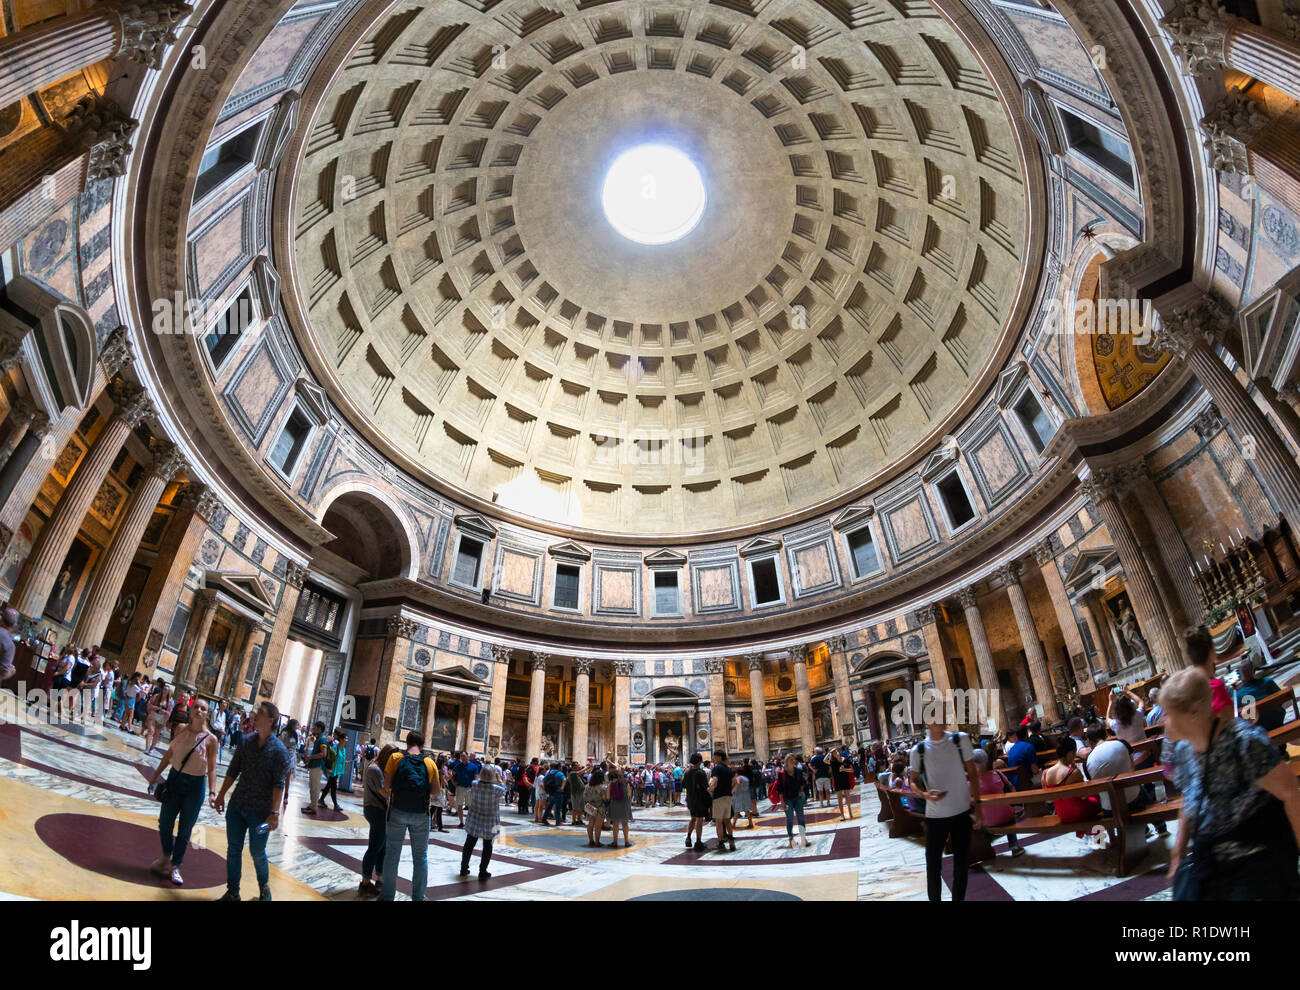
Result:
<point x="123" y="851"/>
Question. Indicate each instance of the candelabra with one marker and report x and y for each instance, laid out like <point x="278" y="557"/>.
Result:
<point x="1228" y="578"/>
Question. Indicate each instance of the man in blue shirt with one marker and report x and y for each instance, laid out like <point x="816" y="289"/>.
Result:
<point x="464" y="771"/>
<point x="553" y="788"/>
<point x="1253" y="688"/>
<point x="1022" y="753"/>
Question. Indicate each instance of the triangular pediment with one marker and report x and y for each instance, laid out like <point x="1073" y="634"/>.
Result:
<point x="476" y="524"/>
<point x="312" y="399"/>
<point x="1010" y="381"/>
<point x="1089" y="564"/>
<point x="941" y="459"/>
<point x="244" y="588"/>
<point x="760" y="545"/>
<point x="853" y="515"/>
<point x="570" y="551"/>
<point x="665" y="558"/>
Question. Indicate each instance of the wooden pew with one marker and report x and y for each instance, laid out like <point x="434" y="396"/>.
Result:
<point x="902" y="821"/>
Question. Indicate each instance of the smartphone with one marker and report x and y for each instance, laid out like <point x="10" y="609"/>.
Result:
<point x="264" y="828"/>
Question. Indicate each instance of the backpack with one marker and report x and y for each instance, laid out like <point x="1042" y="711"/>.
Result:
<point x="327" y="761"/>
<point x="616" y="792"/>
<point x="371" y="752"/>
<point x="549" y="784"/>
<point x="774" y="791"/>
<point x="411" y="785"/>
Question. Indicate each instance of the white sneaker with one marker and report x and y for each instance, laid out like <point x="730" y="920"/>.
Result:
<point x="176" y="877"/>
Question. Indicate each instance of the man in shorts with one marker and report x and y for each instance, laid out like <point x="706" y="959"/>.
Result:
<point x="720" y="781"/>
<point x="821" y="777"/>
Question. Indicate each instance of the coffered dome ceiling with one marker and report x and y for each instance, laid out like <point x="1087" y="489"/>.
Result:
<point x="859" y="254"/>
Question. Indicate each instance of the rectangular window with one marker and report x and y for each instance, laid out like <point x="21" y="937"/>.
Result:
<point x="224" y="334"/>
<point x="1036" y="422"/>
<point x="955" y="500"/>
<point x="468" y="556"/>
<point x="863" y="549"/>
<point x="666" y="597"/>
<point x="766" y="583"/>
<point x="290" y="443"/>
<point x="1105" y="150"/>
<point x="227" y="158"/>
<point x="567" y="578"/>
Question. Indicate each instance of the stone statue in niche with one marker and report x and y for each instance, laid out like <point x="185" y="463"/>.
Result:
<point x="1128" y="628"/>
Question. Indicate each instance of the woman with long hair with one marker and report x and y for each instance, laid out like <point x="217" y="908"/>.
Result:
<point x="160" y="709"/>
<point x="620" y="803"/>
<point x="192" y="756"/>
<point x="791" y="796"/>
<point x="374" y="805"/>
<point x="438" y="798"/>
<point x="595" y="794"/>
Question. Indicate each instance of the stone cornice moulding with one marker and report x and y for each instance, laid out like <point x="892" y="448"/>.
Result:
<point x="1029" y="159"/>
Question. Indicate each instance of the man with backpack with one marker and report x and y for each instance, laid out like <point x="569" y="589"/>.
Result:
<point x="464" y="771"/>
<point x="408" y="782"/>
<point x="942" y="772"/>
<point x="553" y="787"/>
<point x="317" y="750"/>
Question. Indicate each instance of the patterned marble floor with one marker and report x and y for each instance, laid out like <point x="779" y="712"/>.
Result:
<point x="73" y="803"/>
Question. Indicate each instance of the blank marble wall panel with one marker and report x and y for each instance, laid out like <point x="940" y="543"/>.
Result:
<point x="1201" y="503"/>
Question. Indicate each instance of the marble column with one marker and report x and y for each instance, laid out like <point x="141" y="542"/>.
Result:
<point x="622" y="710"/>
<point x="1044" y="690"/>
<point x="428" y="698"/>
<point x="294" y="575"/>
<point x="1184" y="332"/>
<point x="41" y="55"/>
<point x="1101" y="489"/>
<point x="241" y="631"/>
<point x="1207" y="38"/>
<point x="758" y="705"/>
<point x="983" y="655"/>
<point x="497" y="706"/>
<point x="205" y="610"/>
<point x="21" y="416"/>
<point x="109" y="577"/>
<point x="42" y="568"/>
<point x="1089" y="608"/>
<point x="581" y="707"/>
<point x="24" y="474"/>
<point x="927" y="616"/>
<point x="1164" y="550"/>
<point x="716" y="668"/>
<point x="838" y="648"/>
<point x="177" y="551"/>
<point x="535" y="701"/>
<point x="239" y="669"/>
<point x="390" y="683"/>
<point x="1045" y="556"/>
<point x="803" y="697"/>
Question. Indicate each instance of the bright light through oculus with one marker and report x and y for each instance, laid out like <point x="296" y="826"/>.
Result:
<point x="653" y="194"/>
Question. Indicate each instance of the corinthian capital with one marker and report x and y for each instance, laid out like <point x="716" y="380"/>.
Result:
<point x="500" y="653"/>
<point x="1010" y="572"/>
<point x="967" y="598"/>
<point x="623" y="668"/>
<point x="927" y="614"/>
<point x="715" y="665"/>
<point x="1199" y="30"/>
<point x="168" y="461"/>
<point x="116" y="352"/>
<point x="1208" y="422"/>
<point x="11" y="352"/>
<point x="99" y="125"/>
<point x="132" y="402"/>
<point x="1100" y="486"/>
<point x="1184" y="329"/>
<point x="755" y="661"/>
<point x="1044" y="552"/>
<point x="202" y="499"/>
<point x="295" y="574"/>
<point x="581" y="666"/>
<point x="400" y="627"/>
<point x="539" y="660"/>
<point x="1229" y="129"/>
<point x="149" y="28"/>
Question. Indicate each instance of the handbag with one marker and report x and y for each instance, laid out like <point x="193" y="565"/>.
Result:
<point x="164" y="790"/>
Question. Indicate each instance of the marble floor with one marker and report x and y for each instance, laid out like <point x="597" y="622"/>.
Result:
<point x="73" y="805"/>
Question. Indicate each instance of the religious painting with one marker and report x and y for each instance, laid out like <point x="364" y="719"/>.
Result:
<point x="670" y="741"/>
<point x="823" y="726"/>
<point x="513" y="735"/>
<point x="214" y="653"/>
<point x="124" y="611"/>
<point x="551" y="696"/>
<point x="517" y="687"/>
<point x="446" y="714"/>
<point x="60" y="606"/>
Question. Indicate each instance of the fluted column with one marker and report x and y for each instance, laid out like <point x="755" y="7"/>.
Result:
<point x="107" y="584"/>
<point x="1150" y="612"/>
<point x="535" y="699"/>
<point x="239" y="669"/>
<point x="200" y="625"/>
<point x="803" y="696"/>
<point x="1166" y="543"/>
<point x="39" y="56"/>
<point x="21" y="414"/>
<point x="716" y="668"/>
<point x="622" y="710"/>
<point x="927" y="616"/>
<point x="758" y="704"/>
<point x="180" y="543"/>
<point x="983" y="655"/>
<point x="581" y="706"/>
<point x="1184" y="332"/>
<point x="838" y="647"/>
<point x="52" y="545"/>
<point x="1089" y="608"/>
<point x="1038" y="671"/>
<point x="294" y="575"/>
<point x="390" y="683"/>
<point x="497" y="706"/>
<point x="1208" y="38"/>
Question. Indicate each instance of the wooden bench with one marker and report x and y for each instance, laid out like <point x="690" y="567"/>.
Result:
<point x="902" y="821"/>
